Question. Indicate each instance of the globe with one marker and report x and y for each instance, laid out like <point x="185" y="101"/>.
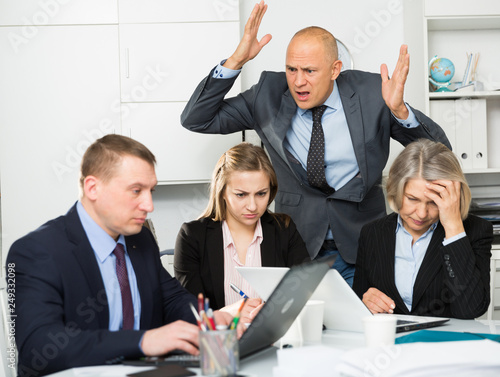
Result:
<point x="441" y="71"/>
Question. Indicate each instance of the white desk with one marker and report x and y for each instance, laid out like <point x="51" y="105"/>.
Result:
<point x="261" y="364"/>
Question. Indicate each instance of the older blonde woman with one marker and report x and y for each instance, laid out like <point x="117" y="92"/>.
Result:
<point x="430" y="257"/>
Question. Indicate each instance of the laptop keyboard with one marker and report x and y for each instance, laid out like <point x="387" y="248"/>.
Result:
<point x="404" y="322"/>
<point x="183" y="359"/>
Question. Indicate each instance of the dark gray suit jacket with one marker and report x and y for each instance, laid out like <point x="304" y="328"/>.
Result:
<point x="61" y="304"/>
<point x="199" y="254"/>
<point x="268" y="108"/>
<point x="453" y="280"/>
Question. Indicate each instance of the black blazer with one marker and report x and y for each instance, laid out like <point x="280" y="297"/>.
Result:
<point x="61" y="304"/>
<point x="453" y="280"/>
<point x="199" y="254"/>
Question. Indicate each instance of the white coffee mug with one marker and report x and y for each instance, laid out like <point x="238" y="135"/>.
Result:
<point x="380" y="330"/>
<point x="311" y="320"/>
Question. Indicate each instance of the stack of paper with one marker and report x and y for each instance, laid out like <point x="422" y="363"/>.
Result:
<point x="453" y="359"/>
<point x="317" y="361"/>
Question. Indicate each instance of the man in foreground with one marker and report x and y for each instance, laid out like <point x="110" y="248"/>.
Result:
<point x="90" y="286"/>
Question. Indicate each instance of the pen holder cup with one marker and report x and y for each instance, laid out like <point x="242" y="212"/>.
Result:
<point x="219" y="353"/>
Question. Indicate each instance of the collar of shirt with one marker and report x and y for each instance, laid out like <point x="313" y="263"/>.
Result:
<point x="228" y="238"/>
<point x="102" y="243"/>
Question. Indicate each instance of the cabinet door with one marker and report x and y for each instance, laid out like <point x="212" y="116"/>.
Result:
<point x="182" y="156"/>
<point x="165" y="62"/>
<point x="57" y="96"/>
<point x="56" y="12"/>
<point x="461" y="8"/>
<point x="147" y="11"/>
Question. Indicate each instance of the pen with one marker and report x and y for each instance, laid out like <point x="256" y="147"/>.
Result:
<point x="210" y="315"/>
<point x="198" y="319"/>
<point x="234" y="322"/>
<point x="238" y="291"/>
<point x="200" y="302"/>
<point x="206" y="320"/>
<point x="207" y="304"/>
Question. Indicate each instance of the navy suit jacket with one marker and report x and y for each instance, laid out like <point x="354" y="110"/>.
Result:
<point x="453" y="280"/>
<point x="199" y="254"/>
<point x="61" y="304"/>
<point x="268" y="108"/>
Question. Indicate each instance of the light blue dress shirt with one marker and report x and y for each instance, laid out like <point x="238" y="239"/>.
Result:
<point x="409" y="258"/>
<point x="340" y="161"/>
<point x="103" y="245"/>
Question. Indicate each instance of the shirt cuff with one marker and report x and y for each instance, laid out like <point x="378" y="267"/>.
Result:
<point x="221" y="72"/>
<point x="411" y="121"/>
<point x="454" y="238"/>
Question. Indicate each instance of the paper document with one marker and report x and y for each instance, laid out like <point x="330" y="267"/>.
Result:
<point x="453" y="359"/>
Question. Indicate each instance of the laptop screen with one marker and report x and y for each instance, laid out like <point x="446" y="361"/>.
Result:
<point x="284" y="305"/>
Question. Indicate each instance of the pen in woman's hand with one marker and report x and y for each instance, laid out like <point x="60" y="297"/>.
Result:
<point x="236" y="318"/>
<point x="238" y="291"/>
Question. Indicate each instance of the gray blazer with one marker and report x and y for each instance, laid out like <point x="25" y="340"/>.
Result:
<point x="268" y="108"/>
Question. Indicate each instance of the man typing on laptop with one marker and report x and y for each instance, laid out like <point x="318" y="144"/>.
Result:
<point x="90" y="287"/>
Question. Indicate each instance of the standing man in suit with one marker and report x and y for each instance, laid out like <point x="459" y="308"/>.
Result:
<point x="71" y="307"/>
<point x="340" y="191"/>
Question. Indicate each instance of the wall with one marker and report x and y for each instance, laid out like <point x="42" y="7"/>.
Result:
<point x="372" y="30"/>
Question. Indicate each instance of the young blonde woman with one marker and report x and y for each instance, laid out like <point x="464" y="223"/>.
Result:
<point x="430" y="257"/>
<point x="236" y="229"/>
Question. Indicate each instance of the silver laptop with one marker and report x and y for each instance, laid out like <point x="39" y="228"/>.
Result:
<point x="263" y="279"/>
<point x="344" y="310"/>
<point x="284" y="305"/>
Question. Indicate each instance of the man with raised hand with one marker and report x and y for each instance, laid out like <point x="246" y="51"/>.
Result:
<point x="327" y="132"/>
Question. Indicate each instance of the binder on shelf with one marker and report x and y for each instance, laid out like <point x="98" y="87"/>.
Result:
<point x="464" y="122"/>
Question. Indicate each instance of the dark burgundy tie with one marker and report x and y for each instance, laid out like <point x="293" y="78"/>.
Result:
<point x="316" y="155"/>
<point x="121" y="273"/>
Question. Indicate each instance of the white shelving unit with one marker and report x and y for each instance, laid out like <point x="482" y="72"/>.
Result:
<point x="451" y="29"/>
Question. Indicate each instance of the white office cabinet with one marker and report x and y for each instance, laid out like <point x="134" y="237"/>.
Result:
<point x="61" y="89"/>
<point x="148" y="11"/>
<point x="165" y="62"/>
<point x="461" y="8"/>
<point x="39" y="13"/>
<point x="183" y="156"/>
<point x="57" y="97"/>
